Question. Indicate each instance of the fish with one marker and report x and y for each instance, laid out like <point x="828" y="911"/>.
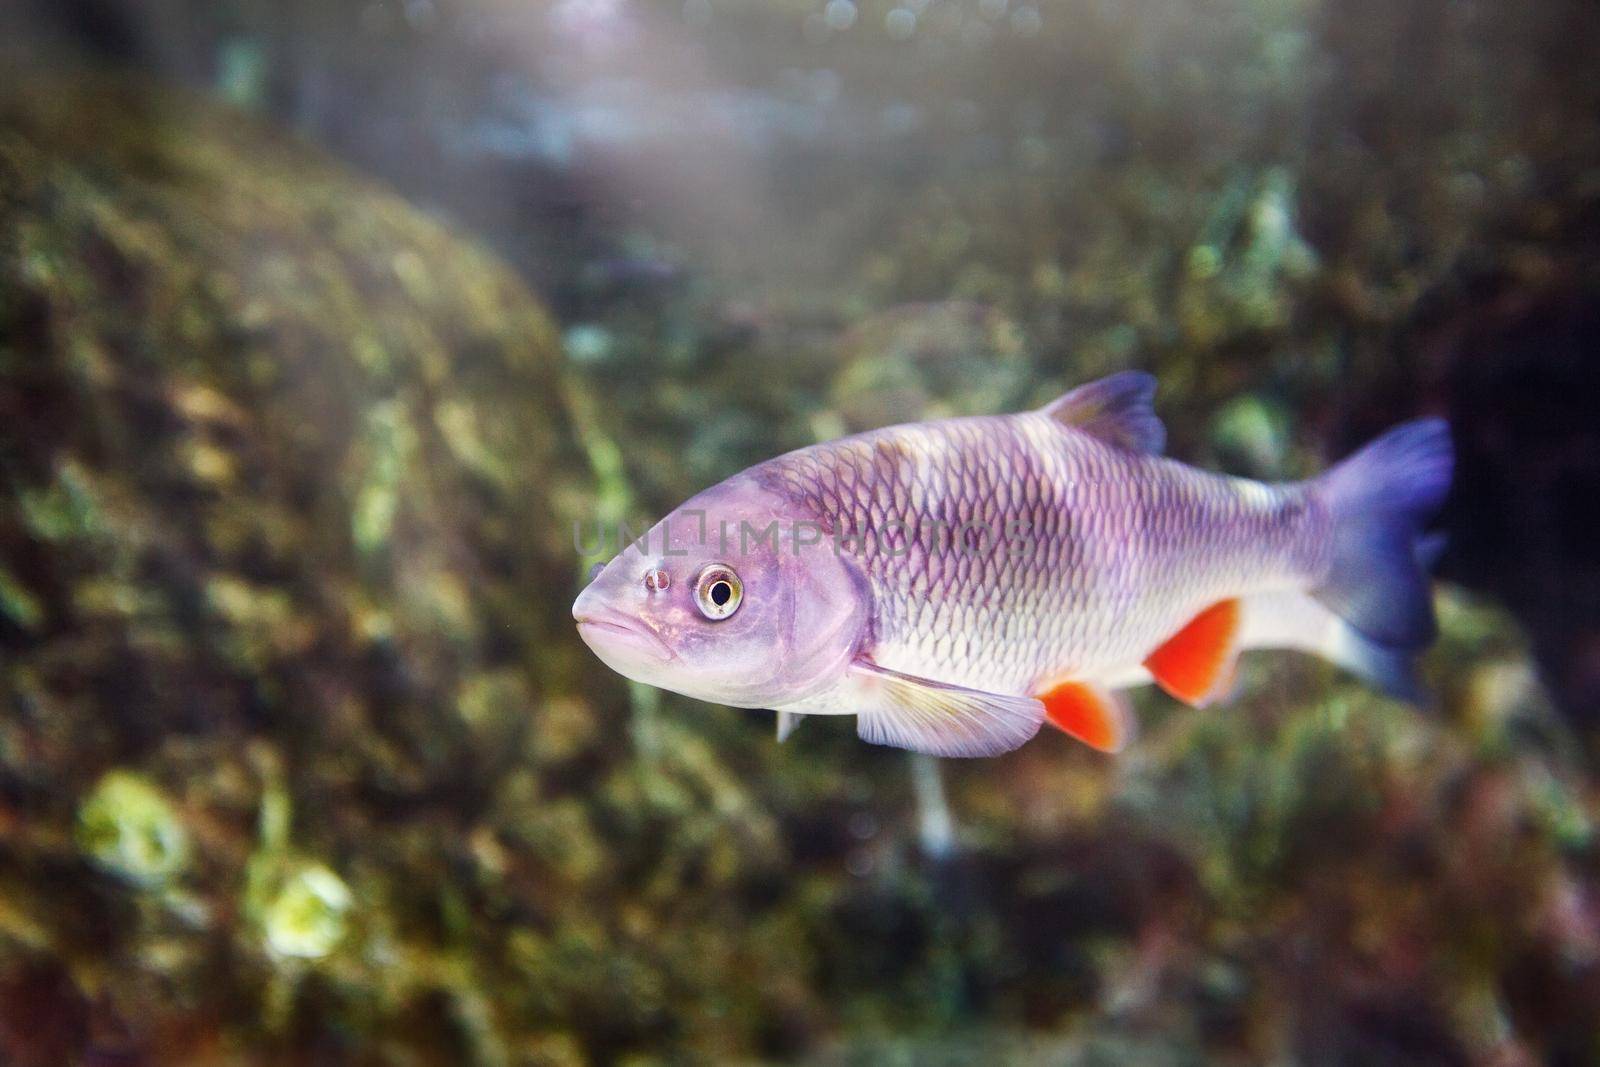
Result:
<point x="955" y="584"/>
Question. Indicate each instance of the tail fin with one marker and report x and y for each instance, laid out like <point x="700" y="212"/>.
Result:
<point x="1391" y="670"/>
<point x="1288" y="619"/>
<point x="1379" y="500"/>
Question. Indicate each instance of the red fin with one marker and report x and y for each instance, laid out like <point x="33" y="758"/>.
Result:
<point x="1196" y="664"/>
<point x="1094" y="716"/>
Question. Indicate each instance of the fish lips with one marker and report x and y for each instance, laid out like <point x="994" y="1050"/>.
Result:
<point x="624" y="644"/>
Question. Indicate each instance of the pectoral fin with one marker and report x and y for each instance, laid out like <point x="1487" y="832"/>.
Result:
<point x="941" y="720"/>
<point x="1096" y="716"/>
<point x="1196" y="664"/>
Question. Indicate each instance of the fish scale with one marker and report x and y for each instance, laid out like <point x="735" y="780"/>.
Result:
<point x="1120" y="549"/>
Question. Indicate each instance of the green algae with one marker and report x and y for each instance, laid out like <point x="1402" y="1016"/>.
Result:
<point x="128" y="827"/>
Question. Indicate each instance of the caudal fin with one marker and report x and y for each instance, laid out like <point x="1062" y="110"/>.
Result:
<point x="1289" y="619"/>
<point x="1380" y="499"/>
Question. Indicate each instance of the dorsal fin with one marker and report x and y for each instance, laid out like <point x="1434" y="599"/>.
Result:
<point x="1118" y="410"/>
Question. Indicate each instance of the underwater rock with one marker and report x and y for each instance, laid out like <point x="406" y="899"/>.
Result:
<point x="279" y="458"/>
<point x="921" y="361"/>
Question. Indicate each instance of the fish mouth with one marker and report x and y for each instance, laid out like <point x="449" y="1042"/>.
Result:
<point x="609" y="632"/>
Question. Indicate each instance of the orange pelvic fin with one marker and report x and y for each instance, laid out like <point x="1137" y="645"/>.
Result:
<point x="1196" y="664"/>
<point x="1097" y="717"/>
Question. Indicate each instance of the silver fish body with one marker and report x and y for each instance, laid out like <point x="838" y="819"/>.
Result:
<point x="1007" y="552"/>
<point x="965" y="579"/>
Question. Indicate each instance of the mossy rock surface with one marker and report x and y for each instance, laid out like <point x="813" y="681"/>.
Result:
<point x="278" y="456"/>
<point x="301" y="759"/>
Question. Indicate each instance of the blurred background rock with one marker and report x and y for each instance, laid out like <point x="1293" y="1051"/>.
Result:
<point x="322" y="324"/>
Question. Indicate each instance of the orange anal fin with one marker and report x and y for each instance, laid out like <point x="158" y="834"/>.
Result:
<point x="1097" y="717"/>
<point x="1196" y="664"/>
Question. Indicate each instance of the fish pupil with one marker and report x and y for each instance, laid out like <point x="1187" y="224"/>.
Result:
<point x="721" y="593"/>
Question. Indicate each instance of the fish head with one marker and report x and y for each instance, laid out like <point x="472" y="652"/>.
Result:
<point x="737" y="597"/>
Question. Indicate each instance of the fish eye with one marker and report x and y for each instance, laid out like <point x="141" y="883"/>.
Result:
<point x="718" y="592"/>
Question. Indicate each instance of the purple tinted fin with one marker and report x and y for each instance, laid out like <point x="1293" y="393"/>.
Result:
<point x="1429" y="548"/>
<point x="940" y="720"/>
<point x="1392" y="670"/>
<point x="1379" y="500"/>
<point x="1284" y="619"/>
<point x="1118" y="410"/>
